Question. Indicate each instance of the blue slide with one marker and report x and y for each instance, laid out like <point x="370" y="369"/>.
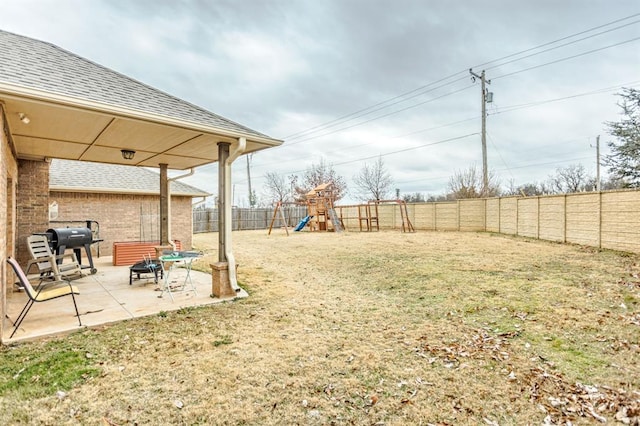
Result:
<point x="302" y="223"/>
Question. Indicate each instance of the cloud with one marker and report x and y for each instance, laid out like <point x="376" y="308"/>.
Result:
<point x="283" y="67"/>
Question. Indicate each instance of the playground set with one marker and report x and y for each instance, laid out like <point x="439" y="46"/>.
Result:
<point x="322" y="214"/>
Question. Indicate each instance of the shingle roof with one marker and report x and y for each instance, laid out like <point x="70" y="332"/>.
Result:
<point x="81" y="176"/>
<point x="45" y="67"/>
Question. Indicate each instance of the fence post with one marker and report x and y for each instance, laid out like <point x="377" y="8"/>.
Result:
<point x="599" y="219"/>
<point x="564" y="224"/>
<point x="517" y="216"/>
<point x="538" y="219"/>
<point x="485" y="215"/>
<point x="435" y="216"/>
<point x="500" y="215"/>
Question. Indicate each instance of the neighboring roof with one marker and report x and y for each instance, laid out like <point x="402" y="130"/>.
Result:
<point x="80" y="176"/>
<point x="110" y="112"/>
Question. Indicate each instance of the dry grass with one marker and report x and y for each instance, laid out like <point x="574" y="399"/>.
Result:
<point x="380" y="328"/>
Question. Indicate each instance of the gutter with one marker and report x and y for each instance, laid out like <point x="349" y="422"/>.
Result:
<point x="197" y="203"/>
<point x="228" y="222"/>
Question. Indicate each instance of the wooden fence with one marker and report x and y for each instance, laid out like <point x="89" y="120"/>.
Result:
<point x="244" y="218"/>
<point x="608" y="219"/>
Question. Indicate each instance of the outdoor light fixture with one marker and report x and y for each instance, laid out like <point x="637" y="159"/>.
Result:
<point x="127" y="154"/>
<point x="23" y="117"/>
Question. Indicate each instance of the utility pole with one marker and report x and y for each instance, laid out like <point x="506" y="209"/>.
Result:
<point x="485" y="98"/>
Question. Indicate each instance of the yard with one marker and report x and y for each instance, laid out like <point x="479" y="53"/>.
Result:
<point x="360" y="328"/>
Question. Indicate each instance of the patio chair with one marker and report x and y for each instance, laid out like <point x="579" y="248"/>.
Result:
<point x="43" y="293"/>
<point x="50" y="265"/>
<point x="146" y="266"/>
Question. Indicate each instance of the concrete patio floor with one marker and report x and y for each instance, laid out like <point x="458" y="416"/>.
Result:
<point x="107" y="297"/>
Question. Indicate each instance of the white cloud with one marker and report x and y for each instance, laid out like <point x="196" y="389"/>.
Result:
<point x="283" y="67"/>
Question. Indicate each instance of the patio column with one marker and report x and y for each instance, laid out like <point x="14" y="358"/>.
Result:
<point x="164" y="206"/>
<point x="225" y="281"/>
<point x="223" y="155"/>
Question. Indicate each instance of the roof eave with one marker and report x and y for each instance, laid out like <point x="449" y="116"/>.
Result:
<point x="21" y="92"/>
<point x="61" y="188"/>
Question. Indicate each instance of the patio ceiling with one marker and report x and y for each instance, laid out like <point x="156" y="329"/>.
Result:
<point x="75" y="129"/>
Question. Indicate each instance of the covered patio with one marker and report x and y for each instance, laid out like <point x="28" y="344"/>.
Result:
<point x="107" y="297"/>
<point x="55" y="104"/>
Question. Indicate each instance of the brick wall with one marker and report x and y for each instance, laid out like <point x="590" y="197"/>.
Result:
<point x="8" y="177"/>
<point x="32" y="204"/>
<point x="123" y="217"/>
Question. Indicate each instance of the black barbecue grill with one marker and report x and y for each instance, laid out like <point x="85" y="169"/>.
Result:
<point x="61" y="239"/>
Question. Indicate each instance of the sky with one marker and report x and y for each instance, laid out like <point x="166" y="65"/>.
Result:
<point x="351" y="81"/>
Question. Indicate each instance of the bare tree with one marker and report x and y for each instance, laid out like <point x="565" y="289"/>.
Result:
<point x="416" y="197"/>
<point x="277" y="188"/>
<point x="525" y="190"/>
<point x="318" y="174"/>
<point x="572" y="178"/>
<point x="469" y="184"/>
<point x="373" y="182"/>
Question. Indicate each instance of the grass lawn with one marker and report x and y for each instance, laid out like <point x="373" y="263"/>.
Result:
<point x="360" y="328"/>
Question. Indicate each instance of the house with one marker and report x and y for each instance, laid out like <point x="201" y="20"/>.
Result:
<point x="57" y="105"/>
<point x="121" y="201"/>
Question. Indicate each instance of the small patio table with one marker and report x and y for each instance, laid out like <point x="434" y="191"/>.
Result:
<point x="169" y="260"/>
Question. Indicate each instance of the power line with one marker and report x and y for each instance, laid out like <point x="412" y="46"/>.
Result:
<point x="382" y="155"/>
<point x="559" y="40"/>
<point x="454" y="123"/>
<point x="382" y="105"/>
<point x="567" y="58"/>
<point x="358" y="114"/>
<point x="500" y="155"/>
<point x="443" y="96"/>
<point x="509" y="108"/>
<point x="560" y="46"/>
<point x="381" y="116"/>
<point x="500" y="110"/>
<point x="499" y="170"/>
<point x="407" y="149"/>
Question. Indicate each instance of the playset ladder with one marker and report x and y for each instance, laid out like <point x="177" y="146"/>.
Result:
<point x="273" y="219"/>
<point x="334" y="220"/>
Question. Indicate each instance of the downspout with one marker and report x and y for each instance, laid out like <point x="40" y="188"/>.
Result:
<point x="170" y="237"/>
<point x="197" y="203"/>
<point x="228" y="222"/>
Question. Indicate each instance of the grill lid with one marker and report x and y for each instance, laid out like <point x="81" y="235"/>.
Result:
<point x="70" y="237"/>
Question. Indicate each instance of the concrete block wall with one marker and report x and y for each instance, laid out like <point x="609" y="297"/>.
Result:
<point x="472" y="215"/>
<point x="508" y="214"/>
<point x="447" y="216"/>
<point x="493" y="215"/>
<point x="620" y="220"/>
<point x="551" y="218"/>
<point x="424" y="216"/>
<point x="606" y="220"/>
<point x="582" y="219"/>
<point x="527" y="217"/>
